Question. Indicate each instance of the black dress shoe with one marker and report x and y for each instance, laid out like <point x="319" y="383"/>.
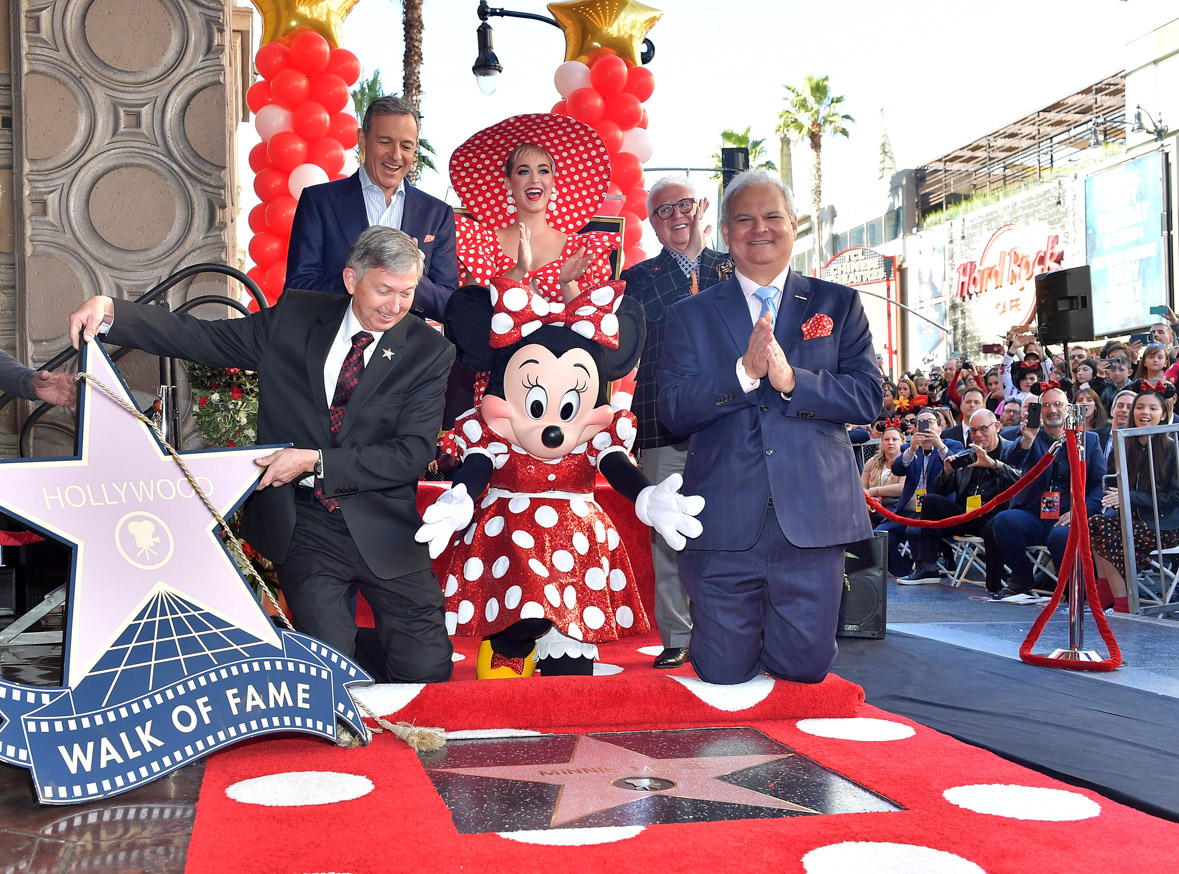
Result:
<point x="672" y="657"/>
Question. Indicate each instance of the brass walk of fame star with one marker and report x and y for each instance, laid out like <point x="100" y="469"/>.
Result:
<point x="602" y="776"/>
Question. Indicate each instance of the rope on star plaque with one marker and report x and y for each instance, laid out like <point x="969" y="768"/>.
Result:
<point x="419" y="738"/>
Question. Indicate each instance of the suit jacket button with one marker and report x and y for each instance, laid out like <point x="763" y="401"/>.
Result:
<point x="769" y="452"/>
<point x="764" y="408"/>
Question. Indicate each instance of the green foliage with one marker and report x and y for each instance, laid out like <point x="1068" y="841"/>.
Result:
<point x="741" y="140"/>
<point x="225" y="404"/>
<point x="813" y="111"/>
<point x="368" y="90"/>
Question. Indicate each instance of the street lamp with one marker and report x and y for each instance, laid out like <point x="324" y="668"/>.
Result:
<point x="487" y="65"/>
<point x="1156" y="129"/>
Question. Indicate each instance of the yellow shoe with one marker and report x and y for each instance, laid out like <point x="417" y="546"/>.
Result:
<point x="504" y="668"/>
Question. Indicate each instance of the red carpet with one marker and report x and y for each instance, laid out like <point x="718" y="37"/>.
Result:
<point x="375" y="809"/>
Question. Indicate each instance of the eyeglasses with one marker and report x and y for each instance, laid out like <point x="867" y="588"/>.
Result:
<point x="685" y="206"/>
<point x="981" y="428"/>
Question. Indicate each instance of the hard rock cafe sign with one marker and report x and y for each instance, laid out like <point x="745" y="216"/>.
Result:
<point x="999" y="285"/>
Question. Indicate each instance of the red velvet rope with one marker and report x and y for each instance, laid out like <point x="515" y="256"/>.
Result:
<point x="19" y="538"/>
<point x="1077" y="544"/>
<point x="994" y="502"/>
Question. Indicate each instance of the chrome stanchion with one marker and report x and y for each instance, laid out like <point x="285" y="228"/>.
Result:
<point x="1074" y="424"/>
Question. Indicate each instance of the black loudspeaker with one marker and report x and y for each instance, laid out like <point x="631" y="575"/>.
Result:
<point x="1062" y="306"/>
<point x="863" y="611"/>
<point x="734" y="160"/>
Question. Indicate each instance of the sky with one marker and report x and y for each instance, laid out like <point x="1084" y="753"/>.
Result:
<point x="943" y="73"/>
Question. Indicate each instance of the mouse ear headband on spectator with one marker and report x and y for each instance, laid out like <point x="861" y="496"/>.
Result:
<point x="1162" y="388"/>
<point x="883" y="425"/>
<point x="1023" y="368"/>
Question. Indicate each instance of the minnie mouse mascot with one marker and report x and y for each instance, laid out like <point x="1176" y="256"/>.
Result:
<point x="538" y="570"/>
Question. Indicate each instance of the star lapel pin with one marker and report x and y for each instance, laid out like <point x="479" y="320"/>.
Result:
<point x="388" y="353"/>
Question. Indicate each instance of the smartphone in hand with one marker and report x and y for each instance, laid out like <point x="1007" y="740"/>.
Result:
<point x="1034" y="415"/>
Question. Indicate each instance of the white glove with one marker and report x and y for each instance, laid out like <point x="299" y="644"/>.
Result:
<point x="453" y="510"/>
<point x="671" y="514"/>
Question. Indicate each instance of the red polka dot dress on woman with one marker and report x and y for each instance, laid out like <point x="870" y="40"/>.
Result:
<point x="539" y="546"/>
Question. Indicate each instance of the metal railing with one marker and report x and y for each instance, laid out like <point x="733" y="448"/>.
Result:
<point x="1151" y="590"/>
<point x="168" y="371"/>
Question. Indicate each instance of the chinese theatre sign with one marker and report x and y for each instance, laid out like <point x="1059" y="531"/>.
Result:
<point x="999" y="286"/>
<point x="875" y="274"/>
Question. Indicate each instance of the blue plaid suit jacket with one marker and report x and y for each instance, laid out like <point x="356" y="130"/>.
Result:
<point x="656" y="284"/>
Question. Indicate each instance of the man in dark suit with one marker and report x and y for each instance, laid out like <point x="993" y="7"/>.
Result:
<point x="684" y="267"/>
<point x="971" y="400"/>
<point x="330" y="216"/>
<point x="1041" y="512"/>
<point x="762" y="371"/>
<point x="357" y="389"/>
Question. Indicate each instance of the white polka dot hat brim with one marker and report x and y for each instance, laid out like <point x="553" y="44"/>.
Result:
<point x="581" y="176"/>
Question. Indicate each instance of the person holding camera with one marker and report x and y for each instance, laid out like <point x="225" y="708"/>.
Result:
<point x="969" y="479"/>
<point x="921" y="462"/>
<point x="1040" y="512"/>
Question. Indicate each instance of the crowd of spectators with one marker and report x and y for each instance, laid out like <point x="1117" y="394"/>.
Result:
<point x="953" y="439"/>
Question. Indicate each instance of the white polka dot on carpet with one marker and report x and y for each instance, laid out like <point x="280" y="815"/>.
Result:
<point x="574" y="837"/>
<point x="386" y="698"/>
<point x="741" y="696"/>
<point x="468" y="733"/>
<point x="300" y="788"/>
<point x="650" y="650"/>
<point x="856" y="728"/>
<point x="1023" y="802"/>
<point x="602" y="670"/>
<point x="885" y="858"/>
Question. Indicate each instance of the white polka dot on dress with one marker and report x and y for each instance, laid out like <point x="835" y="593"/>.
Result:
<point x="466" y="612"/>
<point x="594" y="617"/>
<point x="523" y="539"/>
<point x="617" y="580"/>
<point x="473" y="568"/>
<point x="493" y="526"/>
<point x="518" y="505"/>
<point x="451" y="622"/>
<point x="612" y="538"/>
<point x="531" y="610"/>
<point x="563" y="561"/>
<point x="579" y="507"/>
<point x="570" y="597"/>
<point x="491" y="610"/>
<point x="624" y="616"/>
<point x="599" y="531"/>
<point x="451" y="586"/>
<point x="473" y="430"/>
<point x="595" y="578"/>
<point x="500" y="567"/>
<point x="546" y="517"/>
<point x="602" y="440"/>
<point x="538" y="568"/>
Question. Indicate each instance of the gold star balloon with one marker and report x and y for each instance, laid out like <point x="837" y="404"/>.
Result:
<point x="325" y="17"/>
<point x="618" y="25"/>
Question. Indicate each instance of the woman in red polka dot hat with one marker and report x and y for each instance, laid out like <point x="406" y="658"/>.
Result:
<point x="538" y="569"/>
<point x="531" y="182"/>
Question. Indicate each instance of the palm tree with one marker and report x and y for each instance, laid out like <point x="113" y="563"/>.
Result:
<point x="411" y="81"/>
<point x="811" y="112"/>
<point x="741" y="140"/>
<point x="368" y="90"/>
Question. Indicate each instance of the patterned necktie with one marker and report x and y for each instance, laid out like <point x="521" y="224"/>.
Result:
<point x="766" y="296"/>
<point x="350" y="373"/>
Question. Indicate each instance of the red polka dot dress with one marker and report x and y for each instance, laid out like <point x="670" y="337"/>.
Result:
<point x="539" y="546"/>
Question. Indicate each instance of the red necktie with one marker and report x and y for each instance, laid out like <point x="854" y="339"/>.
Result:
<point x="350" y="373"/>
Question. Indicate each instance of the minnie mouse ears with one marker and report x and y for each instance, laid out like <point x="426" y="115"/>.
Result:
<point x="1166" y="390"/>
<point x="883" y="424"/>
<point x="1064" y="385"/>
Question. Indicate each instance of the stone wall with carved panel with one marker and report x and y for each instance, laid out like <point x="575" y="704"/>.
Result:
<point x="122" y="142"/>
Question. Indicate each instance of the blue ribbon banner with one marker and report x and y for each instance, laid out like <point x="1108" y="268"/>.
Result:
<point x="79" y="752"/>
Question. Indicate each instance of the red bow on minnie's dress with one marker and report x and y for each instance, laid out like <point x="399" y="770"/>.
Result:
<point x="519" y="311"/>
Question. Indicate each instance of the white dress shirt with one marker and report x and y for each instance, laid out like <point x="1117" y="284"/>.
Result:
<point x="748" y="287"/>
<point x="338" y="351"/>
<point x="374" y="203"/>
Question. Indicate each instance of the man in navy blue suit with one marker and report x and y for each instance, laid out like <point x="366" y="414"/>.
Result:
<point x="762" y="371"/>
<point x="332" y="215"/>
<point x="1040" y="514"/>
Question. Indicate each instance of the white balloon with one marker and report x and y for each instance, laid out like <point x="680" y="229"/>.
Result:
<point x="637" y="141"/>
<point x="570" y="76"/>
<point x="304" y="175"/>
<point x="271" y="119"/>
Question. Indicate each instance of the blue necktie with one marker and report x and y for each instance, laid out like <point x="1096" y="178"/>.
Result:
<point x="766" y="296"/>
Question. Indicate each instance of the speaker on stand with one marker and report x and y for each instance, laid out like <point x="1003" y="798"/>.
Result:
<point x="1063" y="309"/>
<point x="863" y="610"/>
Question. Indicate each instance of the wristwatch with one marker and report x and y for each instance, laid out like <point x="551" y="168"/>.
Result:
<point x="317" y="471"/>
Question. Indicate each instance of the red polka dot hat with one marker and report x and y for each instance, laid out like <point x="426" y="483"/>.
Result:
<point x="581" y="175"/>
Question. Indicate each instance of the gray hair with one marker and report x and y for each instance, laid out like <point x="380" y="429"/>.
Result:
<point x="751" y="179"/>
<point x="386" y="249"/>
<point x="666" y="182"/>
<point x="390" y="104"/>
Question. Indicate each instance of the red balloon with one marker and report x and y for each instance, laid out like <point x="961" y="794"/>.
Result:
<point x="259" y="160"/>
<point x="276" y="276"/>
<point x="272" y="58"/>
<point x="640" y="82"/>
<point x="258" y="274"/>
<point x="326" y="153"/>
<point x="269" y="184"/>
<point x="280" y="213"/>
<point x="311" y="121"/>
<point x="636" y="202"/>
<point x="258" y="95"/>
<point x="633" y="256"/>
<point x="559" y="108"/>
<point x="345" y="65"/>
<point x="585" y="104"/>
<point x="330" y="92"/>
<point x="310" y="53"/>
<point x="257" y="219"/>
<point x="611" y="135"/>
<point x="287" y="151"/>
<point x="608" y="75"/>
<point x="343" y="129"/>
<point x="626" y="170"/>
<point x="644" y="122"/>
<point x="290" y="88"/>
<point x="265" y="248"/>
<point x="625" y="109"/>
<point x="633" y="232"/>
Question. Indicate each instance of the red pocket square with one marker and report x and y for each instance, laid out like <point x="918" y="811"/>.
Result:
<point x="429" y="239"/>
<point x="817" y="326"/>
